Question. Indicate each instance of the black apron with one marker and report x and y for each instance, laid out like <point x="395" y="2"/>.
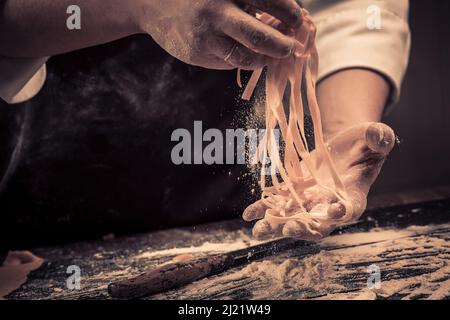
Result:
<point x="91" y="153"/>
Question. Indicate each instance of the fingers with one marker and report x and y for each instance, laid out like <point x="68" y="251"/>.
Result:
<point x="263" y="230"/>
<point x="215" y="63"/>
<point x="320" y="224"/>
<point x="336" y="211"/>
<point x="287" y="11"/>
<point x="358" y="202"/>
<point x="255" y="211"/>
<point x="19" y="257"/>
<point x="255" y="35"/>
<point x="236" y="54"/>
<point x="294" y="229"/>
<point x="298" y="230"/>
<point x="316" y="196"/>
<point x="380" y="138"/>
<point x="326" y="212"/>
<point x="244" y="58"/>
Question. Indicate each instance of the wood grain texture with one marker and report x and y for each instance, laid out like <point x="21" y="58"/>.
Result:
<point x="414" y="264"/>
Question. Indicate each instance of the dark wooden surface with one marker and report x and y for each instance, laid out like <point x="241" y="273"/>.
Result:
<point x="419" y="270"/>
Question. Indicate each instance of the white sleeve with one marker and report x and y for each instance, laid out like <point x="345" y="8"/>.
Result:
<point x="349" y="35"/>
<point x="21" y="79"/>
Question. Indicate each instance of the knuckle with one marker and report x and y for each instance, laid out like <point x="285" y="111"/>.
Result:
<point x="261" y="41"/>
<point x="281" y="47"/>
<point x="257" y="38"/>
<point x="211" y="11"/>
<point x="206" y="10"/>
<point x="204" y="17"/>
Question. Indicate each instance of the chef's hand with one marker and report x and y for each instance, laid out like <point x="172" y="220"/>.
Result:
<point x="220" y="34"/>
<point x="358" y="153"/>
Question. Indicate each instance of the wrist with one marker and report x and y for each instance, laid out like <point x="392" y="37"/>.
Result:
<point x="120" y="16"/>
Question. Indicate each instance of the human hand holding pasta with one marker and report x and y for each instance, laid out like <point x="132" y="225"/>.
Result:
<point x="358" y="153"/>
<point x="220" y="34"/>
<point x="311" y="192"/>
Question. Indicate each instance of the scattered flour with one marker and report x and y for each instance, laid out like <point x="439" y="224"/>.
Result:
<point x="413" y="265"/>
<point x="206" y="247"/>
<point x="315" y="271"/>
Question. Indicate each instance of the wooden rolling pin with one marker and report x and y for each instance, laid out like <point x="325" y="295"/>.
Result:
<point x="173" y="275"/>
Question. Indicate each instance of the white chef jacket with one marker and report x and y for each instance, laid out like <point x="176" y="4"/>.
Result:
<point x="344" y="40"/>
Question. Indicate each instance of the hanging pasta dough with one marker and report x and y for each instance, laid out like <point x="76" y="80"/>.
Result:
<point x="293" y="170"/>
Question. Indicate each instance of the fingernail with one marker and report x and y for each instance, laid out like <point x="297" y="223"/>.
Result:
<point x="380" y="138"/>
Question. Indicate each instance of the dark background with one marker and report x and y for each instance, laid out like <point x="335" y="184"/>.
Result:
<point x="422" y="118"/>
<point x="91" y="153"/>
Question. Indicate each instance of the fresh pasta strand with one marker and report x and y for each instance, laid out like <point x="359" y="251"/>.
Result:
<point x="297" y="171"/>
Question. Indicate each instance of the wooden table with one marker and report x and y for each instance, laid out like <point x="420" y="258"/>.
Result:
<point x="413" y="262"/>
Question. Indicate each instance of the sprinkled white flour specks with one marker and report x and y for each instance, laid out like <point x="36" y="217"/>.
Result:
<point x="414" y="264"/>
